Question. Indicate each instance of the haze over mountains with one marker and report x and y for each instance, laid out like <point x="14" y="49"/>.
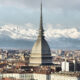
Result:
<point x="14" y="36"/>
<point x="19" y="23"/>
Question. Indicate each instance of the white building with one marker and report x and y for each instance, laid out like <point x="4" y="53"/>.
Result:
<point x="34" y="76"/>
<point x="24" y="76"/>
<point x="64" y="77"/>
<point x="65" y="66"/>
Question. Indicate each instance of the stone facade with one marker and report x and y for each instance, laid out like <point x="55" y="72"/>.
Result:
<point x="63" y="77"/>
<point x="38" y="76"/>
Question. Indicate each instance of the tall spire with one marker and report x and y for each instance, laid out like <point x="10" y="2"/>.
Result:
<point x="40" y="54"/>
<point x="41" y="31"/>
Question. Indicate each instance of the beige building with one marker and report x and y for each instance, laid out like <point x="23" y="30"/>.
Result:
<point x="34" y="76"/>
<point x="65" y="76"/>
<point x="40" y="54"/>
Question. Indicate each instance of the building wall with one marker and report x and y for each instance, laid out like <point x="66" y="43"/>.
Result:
<point x="65" y="66"/>
<point x="24" y="76"/>
<point x="38" y="76"/>
<point x="62" y="77"/>
<point x="11" y="75"/>
<point x="33" y="76"/>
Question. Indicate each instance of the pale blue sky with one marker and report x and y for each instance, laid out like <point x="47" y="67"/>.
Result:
<point x="20" y="19"/>
<point x="20" y="12"/>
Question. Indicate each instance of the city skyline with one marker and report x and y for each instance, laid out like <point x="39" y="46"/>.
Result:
<point x="39" y="40"/>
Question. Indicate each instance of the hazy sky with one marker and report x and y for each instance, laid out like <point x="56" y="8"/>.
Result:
<point x="20" y="12"/>
<point x="19" y="19"/>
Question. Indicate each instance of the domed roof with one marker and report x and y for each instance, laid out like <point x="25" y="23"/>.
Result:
<point x="41" y="46"/>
